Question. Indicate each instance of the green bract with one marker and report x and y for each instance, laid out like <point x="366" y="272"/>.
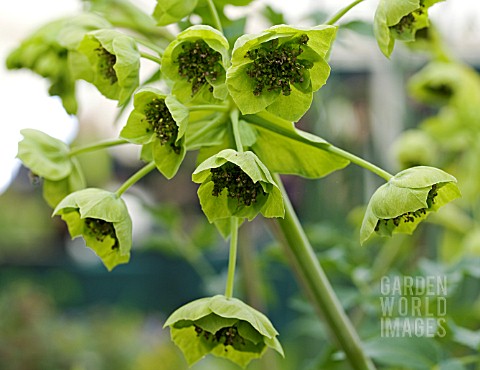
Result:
<point x="195" y="63"/>
<point x="159" y="121"/>
<point x="110" y="60"/>
<point x="49" y="159"/>
<point x="237" y="184"/>
<point x="399" y="20"/>
<point x="171" y="11"/>
<point x="102" y="219"/>
<point x="280" y="69"/>
<point x="224" y="327"/>
<point x="406" y="199"/>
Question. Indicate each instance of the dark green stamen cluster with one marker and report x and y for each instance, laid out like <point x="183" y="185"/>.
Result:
<point x="408" y="20"/>
<point x="106" y="63"/>
<point x="239" y="185"/>
<point x="198" y="61"/>
<point x="275" y="67"/>
<point x="228" y="336"/>
<point x="411" y="216"/>
<point x="162" y="123"/>
<point x="100" y="229"/>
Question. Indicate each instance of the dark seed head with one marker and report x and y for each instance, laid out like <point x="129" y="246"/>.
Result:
<point x="106" y="62"/>
<point x="100" y="229"/>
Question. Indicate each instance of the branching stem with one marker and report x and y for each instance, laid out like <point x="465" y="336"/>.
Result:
<point x="151" y="57"/>
<point x="134" y="178"/>
<point x="215" y="16"/>
<point x="336" y="17"/>
<point x="96" y="146"/>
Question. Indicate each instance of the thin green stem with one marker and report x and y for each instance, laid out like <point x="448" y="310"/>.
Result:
<point x="232" y="259"/>
<point x="317" y="285"/>
<point x="215" y="107"/>
<point x="342" y="12"/>
<point x="236" y="131"/>
<point x="157" y="49"/>
<point x="151" y="57"/>
<point x="281" y="128"/>
<point x="215" y="16"/>
<point x="142" y="172"/>
<point x="359" y="162"/>
<point x="96" y="146"/>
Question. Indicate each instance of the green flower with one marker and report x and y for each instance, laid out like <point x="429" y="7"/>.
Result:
<point x="224" y="327"/>
<point x="237" y="184"/>
<point x="45" y="53"/>
<point x="195" y="63"/>
<point x="399" y="20"/>
<point x="280" y="69"/>
<point x="406" y="199"/>
<point x="111" y="61"/>
<point x="415" y="148"/>
<point x="102" y="219"/>
<point x="48" y="158"/>
<point x="159" y="122"/>
<point x="172" y="11"/>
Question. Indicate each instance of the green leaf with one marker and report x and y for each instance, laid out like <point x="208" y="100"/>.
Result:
<point x="102" y="219"/>
<point x="287" y="150"/>
<point x="406" y="199"/>
<point x="254" y="55"/>
<point x="259" y="192"/>
<point x="44" y="155"/>
<point x="399" y="20"/>
<point x="172" y="11"/>
<point x="110" y="60"/>
<point x="197" y="76"/>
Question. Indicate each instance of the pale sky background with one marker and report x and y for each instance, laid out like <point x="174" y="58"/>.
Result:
<point x="24" y="102"/>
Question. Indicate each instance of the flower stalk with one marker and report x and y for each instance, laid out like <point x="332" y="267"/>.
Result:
<point x="291" y="234"/>
<point x="337" y="16"/>
<point x="96" y="146"/>
<point x="135" y="178"/>
<point x="232" y="259"/>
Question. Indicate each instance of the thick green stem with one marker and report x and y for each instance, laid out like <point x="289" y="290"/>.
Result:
<point x="336" y="17"/>
<point x="215" y="16"/>
<point x="232" y="259"/>
<point x="142" y="172"/>
<point x="151" y="57"/>
<point x="264" y="122"/>
<point x="96" y="146"/>
<point x="318" y="287"/>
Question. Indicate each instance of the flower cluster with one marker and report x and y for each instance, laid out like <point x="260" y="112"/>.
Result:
<point x="238" y="184"/>
<point x="275" y="67"/>
<point x="224" y="327"/>
<point x="407" y="199"/>
<point x="196" y="62"/>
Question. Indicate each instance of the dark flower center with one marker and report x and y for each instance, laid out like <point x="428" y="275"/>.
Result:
<point x="407" y="21"/>
<point x="198" y="61"/>
<point x="106" y="62"/>
<point x="228" y="336"/>
<point x="239" y="185"/>
<point x="275" y="67"/>
<point x="411" y="216"/>
<point x="100" y="229"/>
<point x="162" y="123"/>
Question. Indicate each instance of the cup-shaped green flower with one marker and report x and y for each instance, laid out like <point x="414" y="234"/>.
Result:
<point x="406" y="199"/>
<point x="399" y="20"/>
<point x="195" y="64"/>
<point x="159" y="121"/>
<point x="280" y="69"/>
<point x="415" y="148"/>
<point x="48" y="158"/>
<point x="110" y="60"/>
<point x="224" y="327"/>
<point x="102" y="219"/>
<point x="237" y="184"/>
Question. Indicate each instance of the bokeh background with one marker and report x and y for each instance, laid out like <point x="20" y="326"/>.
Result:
<point x="60" y="308"/>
